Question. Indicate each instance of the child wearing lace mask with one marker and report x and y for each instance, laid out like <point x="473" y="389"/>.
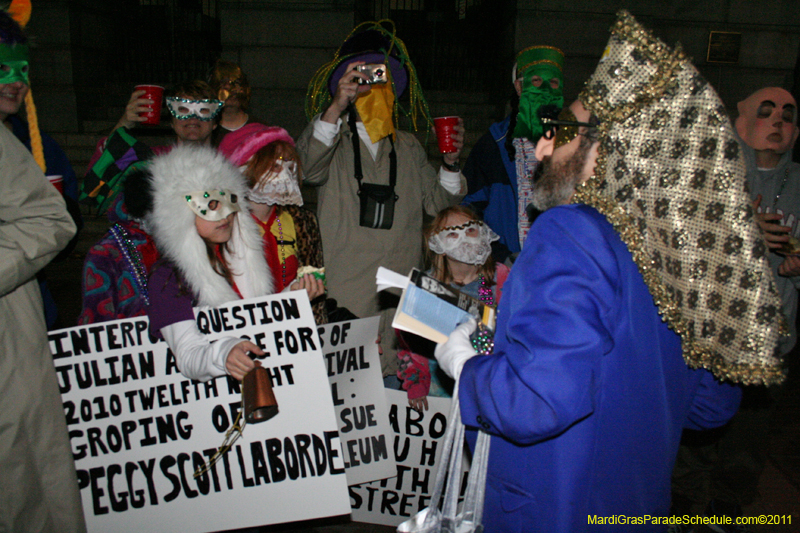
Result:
<point x="267" y="157"/>
<point x="458" y="250"/>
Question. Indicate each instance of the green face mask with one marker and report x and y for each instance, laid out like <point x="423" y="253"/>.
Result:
<point x="533" y="98"/>
<point x="14" y="63"/>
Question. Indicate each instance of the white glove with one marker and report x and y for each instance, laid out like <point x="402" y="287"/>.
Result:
<point x="454" y="353"/>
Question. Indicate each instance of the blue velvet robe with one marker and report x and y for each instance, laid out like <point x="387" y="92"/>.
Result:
<point x="587" y="391"/>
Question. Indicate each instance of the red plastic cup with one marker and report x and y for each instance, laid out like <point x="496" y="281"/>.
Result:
<point x="444" y="128"/>
<point x="58" y="182"/>
<point x="154" y="93"/>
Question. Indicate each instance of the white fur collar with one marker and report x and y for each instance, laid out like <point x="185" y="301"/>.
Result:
<point x="188" y="168"/>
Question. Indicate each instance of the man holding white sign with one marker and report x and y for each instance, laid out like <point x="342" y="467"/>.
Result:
<point x="212" y="255"/>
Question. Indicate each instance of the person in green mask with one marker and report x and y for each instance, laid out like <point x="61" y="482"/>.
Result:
<point x="538" y="81"/>
<point x="502" y="163"/>
<point x="18" y="114"/>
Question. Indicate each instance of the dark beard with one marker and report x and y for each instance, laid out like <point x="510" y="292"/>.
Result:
<point x="558" y="180"/>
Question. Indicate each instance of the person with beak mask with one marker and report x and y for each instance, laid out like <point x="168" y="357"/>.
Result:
<point x="502" y="164"/>
<point x="641" y="288"/>
<point x="374" y="180"/>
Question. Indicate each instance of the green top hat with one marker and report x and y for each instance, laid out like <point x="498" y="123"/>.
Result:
<point x="538" y="55"/>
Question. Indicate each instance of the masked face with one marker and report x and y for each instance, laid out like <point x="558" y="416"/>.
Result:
<point x="566" y="127"/>
<point x="14" y="63"/>
<point x="539" y="86"/>
<point x="375" y="109"/>
<point x="768" y="120"/>
<point x="184" y="109"/>
<point x="217" y="232"/>
<point x="230" y="83"/>
<point x="213" y="205"/>
<point x="278" y="186"/>
<point x="469" y="242"/>
<point x="236" y="88"/>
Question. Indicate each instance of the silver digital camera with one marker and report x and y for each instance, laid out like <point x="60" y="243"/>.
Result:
<point x="376" y="73"/>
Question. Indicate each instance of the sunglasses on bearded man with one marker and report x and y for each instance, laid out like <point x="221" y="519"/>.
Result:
<point x="565" y="128"/>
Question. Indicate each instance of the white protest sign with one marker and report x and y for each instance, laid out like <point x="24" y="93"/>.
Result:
<point x="139" y="429"/>
<point x="354" y="372"/>
<point x="418" y="450"/>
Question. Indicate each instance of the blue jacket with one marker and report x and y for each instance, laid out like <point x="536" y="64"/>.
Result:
<point x="492" y="187"/>
<point x="587" y="392"/>
<point x="57" y="164"/>
<point x="54" y="157"/>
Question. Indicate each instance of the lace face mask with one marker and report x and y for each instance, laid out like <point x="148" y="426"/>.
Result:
<point x="278" y="189"/>
<point x="469" y="243"/>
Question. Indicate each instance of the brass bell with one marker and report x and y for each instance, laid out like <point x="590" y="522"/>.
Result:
<point x="259" y="400"/>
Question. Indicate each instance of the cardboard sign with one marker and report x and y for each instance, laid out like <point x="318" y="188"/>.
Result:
<point x="354" y="372"/>
<point x="417" y="450"/>
<point x="139" y="429"/>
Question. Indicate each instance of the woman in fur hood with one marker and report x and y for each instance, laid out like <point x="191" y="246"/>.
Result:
<point x="211" y="254"/>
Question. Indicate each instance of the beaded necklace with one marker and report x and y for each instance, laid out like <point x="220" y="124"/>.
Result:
<point x="134" y="259"/>
<point x="526" y="164"/>
<point x="483" y="340"/>
<point x="780" y="190"/>
<point x="485" y="292"/>
<point x="281" y="246"/>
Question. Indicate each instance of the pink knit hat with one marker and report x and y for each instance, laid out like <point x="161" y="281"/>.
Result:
<point x="240" y="145"/>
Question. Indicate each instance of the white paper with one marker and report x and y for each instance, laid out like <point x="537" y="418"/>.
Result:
<point x="387" y="279"/>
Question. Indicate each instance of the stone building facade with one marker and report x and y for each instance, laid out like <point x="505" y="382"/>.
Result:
<point x="88" y="54"/>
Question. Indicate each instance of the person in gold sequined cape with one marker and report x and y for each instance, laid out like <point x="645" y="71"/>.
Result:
<point x="617" y="328"/>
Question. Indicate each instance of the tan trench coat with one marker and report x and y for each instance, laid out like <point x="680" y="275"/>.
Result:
<point x="354" y="253"/>
<point x="38" y="485"/>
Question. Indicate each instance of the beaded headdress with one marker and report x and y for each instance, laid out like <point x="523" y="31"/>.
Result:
<point x="371" y="42"/>
<point x="537" y="55"/>
<point x="671" y="179"/>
